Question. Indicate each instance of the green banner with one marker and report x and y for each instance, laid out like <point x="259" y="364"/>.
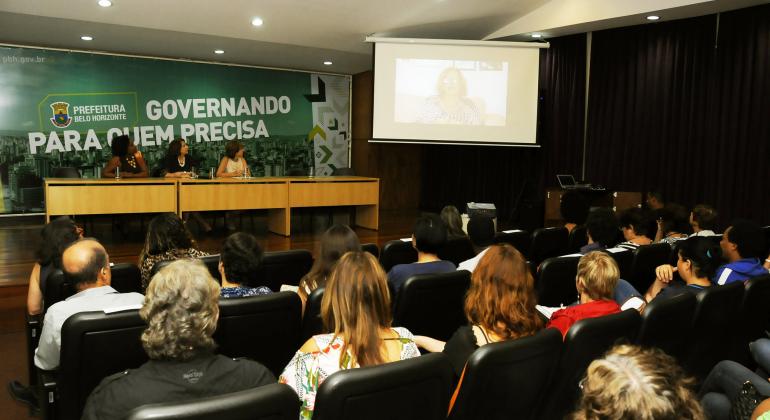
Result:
<point x="62" y="109"/>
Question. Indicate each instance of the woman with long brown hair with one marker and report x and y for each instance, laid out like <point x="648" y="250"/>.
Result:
<point x="500" y="306"/>
<point x="356" y="307"/>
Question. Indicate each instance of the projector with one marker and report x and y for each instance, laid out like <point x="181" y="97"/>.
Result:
<point x="481" y="209"/>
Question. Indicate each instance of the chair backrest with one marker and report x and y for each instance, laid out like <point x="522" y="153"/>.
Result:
<point x="432" y="304"/>
<point x="665" y="322"/>
<point x="263" y="328"/>
<point x="411" y="389"/>
<point x="397" y="252"/>
<point x="311" y="320"/>
<point x="285" y="267"/>
<point x="269" y="402"/>
<point x="95" y="345"/>
<point x="766" y="230"/>
<point x="646" y="259"/>
<point x="126" y="278"/>
<point x="624" y="259"/>
<point x="555" y="284"/>
<point x="508" y="377"/>
<point x="211" y="262"/>
<point x="57" y="288"/>
<point x="457" y="250"/>
<point x="586" y="340"/>
<point x="715" y="316"/>
<point x="578" y="237"/>
<point x="372" y="249"/>
<point x="754" y="318"/>
<point x="66" y="172"/>
<point x="547" y="243"/>
<point x="519" y="239"/>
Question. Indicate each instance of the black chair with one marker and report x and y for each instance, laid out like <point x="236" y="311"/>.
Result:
<point x="586" y="340"/>
<point x="709" y="335"/>
<point x="65" y="172"/>
<point x="372" y="249"/>
<point x="57" y="288"/>
<point x="766" y="230"/>
<point x="624" y="259"/>
<point x="263" y="328"/>
<point x="397" y="252"/>
<point x="510" y="377"/>
<point x="210" y="261"/>
<point x="519" y="239"/>
<point x="285" y="267"/>
<point x="311" y="320"/>
<point x="94" y="345"/>
<point x="457" y="250"/>
<point x="33" y="327"/>
<point x="126" y="278"/>
<point x="269" y="402"/>
<point x="753" y="319"/>
<point x="413" y="389"/>
<point x="547" y="243"/>
<point x="646" y="259"/>
<point x="577" y="238"/>
<point x="432" y="304"/>
<point x="555" y="284"/>
<point x="665" y="323"/>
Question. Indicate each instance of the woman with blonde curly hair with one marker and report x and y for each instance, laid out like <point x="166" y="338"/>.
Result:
<point x="356" y="307"/>
<point x="499" y="306"/>
<point x="630" y="382"/>
<point x="181" y="310"/>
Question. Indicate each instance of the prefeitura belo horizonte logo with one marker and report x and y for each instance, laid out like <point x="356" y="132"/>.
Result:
<point x="61" y="116"/>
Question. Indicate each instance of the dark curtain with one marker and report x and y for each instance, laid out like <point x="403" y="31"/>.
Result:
<point x="514" y="177"/>
<point x="676" y="108"/>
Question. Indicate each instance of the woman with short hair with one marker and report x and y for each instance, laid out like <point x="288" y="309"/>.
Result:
<point x="239" y="264"/>
<point x="181" y="310"/>
<point x="167" y="239"/>
<point x="233" y="164"/>
<point x="356" y="307"/>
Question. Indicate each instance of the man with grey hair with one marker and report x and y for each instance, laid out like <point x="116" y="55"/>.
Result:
<point x="181" y="310"/>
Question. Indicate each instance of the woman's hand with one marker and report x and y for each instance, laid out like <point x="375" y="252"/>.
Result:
<point x="665" y="273"/>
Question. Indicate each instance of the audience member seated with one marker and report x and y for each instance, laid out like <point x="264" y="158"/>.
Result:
<point x="655" y="200"/>
<point x="703" y="220"/>
<point x="167" y="239"/>
<point x="631" y="382"/>
<point x="335" y="242"/>
<point x="428" y="237"/>
<point x="500" y="305"/>
<point x="481" y="231"/>
<point x="574" y="209"/>
<point x="239" y="263"/>
<point x="673" y="224"/>
<point x="454" y="223"/>
<point x="743" y="244"/>
<point x="698" y="260"/>
<point x="597" y="276"/>
<point x="356" y="306"/>
<point x="54" y="237"/>
<point x="636" y="225"/>
<point x="127" y="157"/>
<point x="602" y="230"/>
<point x="181" y="312"/>
<point x="722" y="386"/>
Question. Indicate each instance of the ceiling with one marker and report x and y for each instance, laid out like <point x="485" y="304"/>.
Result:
<point x="302" y="34"/>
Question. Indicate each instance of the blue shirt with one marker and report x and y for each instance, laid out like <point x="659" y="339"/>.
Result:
<point x="400" y="272"/>
<point x="739" y="271"/>
<point x="240" y="291"/>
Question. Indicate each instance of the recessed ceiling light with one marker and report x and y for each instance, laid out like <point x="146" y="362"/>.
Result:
<point x="219" y="51"/>
<point x="257" y="21"/>
<point x="653" y="17"/>
<point x="87" y="38"/>
<point x="328" y="63"/>
<point x="105" y="3"/>
<point x="537" y="36"/>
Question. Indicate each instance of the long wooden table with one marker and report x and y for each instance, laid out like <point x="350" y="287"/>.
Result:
<point x="278" y="195"/>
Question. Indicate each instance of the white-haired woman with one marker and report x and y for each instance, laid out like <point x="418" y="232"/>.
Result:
<point x="181" y="310"/>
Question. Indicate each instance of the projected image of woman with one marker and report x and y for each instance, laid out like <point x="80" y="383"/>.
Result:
<point x="451" y="105"/>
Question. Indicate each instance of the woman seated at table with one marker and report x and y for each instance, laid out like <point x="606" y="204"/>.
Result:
<point x="177" y="164"/>
<point x="167" y="239"/>
<point x="499" y="306"/>
<point x="54" y="237"/>
<point x="239" y="264"/>
<point x="233" y="164"/>
<point x="699" y="258"/>
<point x="127" y="157"/>
<point x="335" y="242"/>
<point x="356" y="306"/>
